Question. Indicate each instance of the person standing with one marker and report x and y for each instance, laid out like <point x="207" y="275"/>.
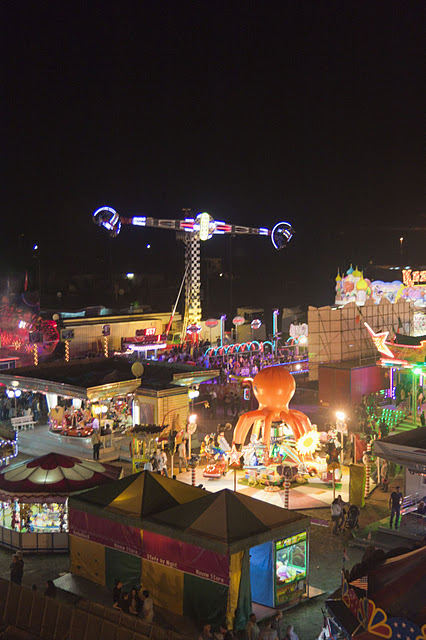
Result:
<point x="116" y="593"/>
<point x="206" y="633"/>
<point x="277" y="624"/>
<point x="290" y="633"/>
<point x="96" y="443"/>
<point x="384" y="473"/>
<point x="162" y="462"/>
<point x="182" y="460"/>
<point x="252" y="629"/>
<point x="16" y="569"/>
<point x="395" y="502"/>
<point x="336" y="512"/>
<point x="147" y="607"/>
<point x="268" y="633"/>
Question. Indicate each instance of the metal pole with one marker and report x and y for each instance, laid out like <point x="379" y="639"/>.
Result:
<point x="286" y="493"/>
<point x="193" y="482"/>
<point x="275" y="330"/>
<point x="235" y="479"/>
<point x="334" y="484"/>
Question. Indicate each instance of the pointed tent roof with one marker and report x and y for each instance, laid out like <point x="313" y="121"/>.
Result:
<point x="228" y="522"/>
<point x="136" y="497"/>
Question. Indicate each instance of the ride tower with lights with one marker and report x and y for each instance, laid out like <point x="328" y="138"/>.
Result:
<point x="193" y="231"/>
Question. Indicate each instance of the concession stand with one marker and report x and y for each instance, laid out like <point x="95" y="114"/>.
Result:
<point x="34" y="499"/>
<point x="193" y="550"/>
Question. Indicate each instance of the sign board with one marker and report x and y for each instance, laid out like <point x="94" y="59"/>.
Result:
<point x="67" y="334"/>
<point x="238" y="320"/>
<point x="212" y="322"/>
<point x="410" y="277"/>
<point x="35" y="337"/>
<point x="256" y="324"/>
<point x="148" y="332"/>
<point x="193" y="328"/>
<point x="297" y="330"/>
<point x="204" y="220"/>
<point x="106" y="330"/>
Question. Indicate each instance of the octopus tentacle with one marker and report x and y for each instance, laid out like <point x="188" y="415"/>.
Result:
<point x="245" y="422"/>
<point x="307" y="426"/>
<point x="288" y="419"/>
<point x="267" y="430"/>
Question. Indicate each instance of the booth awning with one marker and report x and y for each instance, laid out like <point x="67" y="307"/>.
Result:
<point x="407" y="449"/>
<point x="45" y="478"/>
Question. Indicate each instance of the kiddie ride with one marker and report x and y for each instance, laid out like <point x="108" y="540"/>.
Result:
<point x="216" y="457"/>
<point x="77" y="424"/>
<point x="281" y="437"/>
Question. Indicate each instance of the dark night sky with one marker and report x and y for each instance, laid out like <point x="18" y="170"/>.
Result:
<point x="254" y="111"/>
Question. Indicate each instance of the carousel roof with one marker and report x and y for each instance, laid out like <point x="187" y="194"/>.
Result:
<point x="54" y="474"/>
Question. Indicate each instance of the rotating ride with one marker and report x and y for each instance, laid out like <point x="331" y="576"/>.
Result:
<point x="194" y="230"/>
<point x="280" y="436"/>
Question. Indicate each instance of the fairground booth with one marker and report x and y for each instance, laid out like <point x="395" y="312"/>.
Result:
<point x="118" y="391"/>
<point x="34" y="499"/>
<point x="190" y="548"/>
<point x="388" y="602"/>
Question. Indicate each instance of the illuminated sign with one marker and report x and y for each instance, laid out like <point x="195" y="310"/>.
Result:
<point x="204" y="221"/>
<point x="379" y="340"/>
<point x="410" y="277"/>
<point x="238" y="320"/>
<point x="150" y="331"/>
<point x="298" y="330"/>
<point x="256" y="324"/>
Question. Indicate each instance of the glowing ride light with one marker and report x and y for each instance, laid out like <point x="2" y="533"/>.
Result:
<point x="308" y="443"/>
<point x="340" y="415"/>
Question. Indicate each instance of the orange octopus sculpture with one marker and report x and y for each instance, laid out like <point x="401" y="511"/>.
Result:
<point x="273" y="387"/>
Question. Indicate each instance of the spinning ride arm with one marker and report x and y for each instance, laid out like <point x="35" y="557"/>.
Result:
<point x="203" y="225"/>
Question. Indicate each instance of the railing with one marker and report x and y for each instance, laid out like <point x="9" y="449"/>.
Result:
<point x="53" y="619"/>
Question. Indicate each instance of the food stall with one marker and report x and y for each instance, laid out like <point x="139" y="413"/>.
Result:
<point x="34" y="499"/>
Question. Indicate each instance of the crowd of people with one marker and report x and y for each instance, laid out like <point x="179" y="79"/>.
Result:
<point x="271" y="629"/>
<point x="27" y="404"/>
<point x="136" y="602"/>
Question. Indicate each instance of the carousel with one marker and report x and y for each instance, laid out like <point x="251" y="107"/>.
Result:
<point x="34" y="499"/>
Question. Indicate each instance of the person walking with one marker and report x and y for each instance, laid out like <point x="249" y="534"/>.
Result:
<point x="206" y="633"/>
<point x="96" y="443"/>
<point x="16" y="569"/>
<point x="395" y="502"/>
<point x="252" y="629"/>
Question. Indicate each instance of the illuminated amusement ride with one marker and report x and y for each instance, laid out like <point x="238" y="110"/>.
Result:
<point x="194" y="231"/>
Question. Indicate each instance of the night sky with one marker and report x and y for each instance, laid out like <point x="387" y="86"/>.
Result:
<point x="256" y="112"/>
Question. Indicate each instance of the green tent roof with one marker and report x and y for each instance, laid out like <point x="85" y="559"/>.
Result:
<point x="225" y="521"/>
<point x="228" y="522"/>
<point x="136" y="497"/>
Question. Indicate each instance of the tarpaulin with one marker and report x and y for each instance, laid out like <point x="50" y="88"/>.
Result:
<point x="123" y="566"/>
<point x="165" y="585"/>
<point x="87" y="559"/>
<point x="107" y="532"/>
<point x="189" y="558"/>
<point x="204" y="601"/>
<point x="262" y="574"/>
<point x="357" y="484"/>
<point x="236" y="561"/>
<point x="244" y="606"/>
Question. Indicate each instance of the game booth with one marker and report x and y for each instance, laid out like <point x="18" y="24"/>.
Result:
<point x="190" y="548"/>
<point x="388" y="602"/>
<point x="34" y="499"/>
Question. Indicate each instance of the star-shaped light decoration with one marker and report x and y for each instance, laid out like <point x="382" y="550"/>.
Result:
<point x="379" y="340"/>
<point x="234" y="457"/>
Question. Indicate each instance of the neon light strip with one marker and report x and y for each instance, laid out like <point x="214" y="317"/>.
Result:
<point x="139" y="221"/>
